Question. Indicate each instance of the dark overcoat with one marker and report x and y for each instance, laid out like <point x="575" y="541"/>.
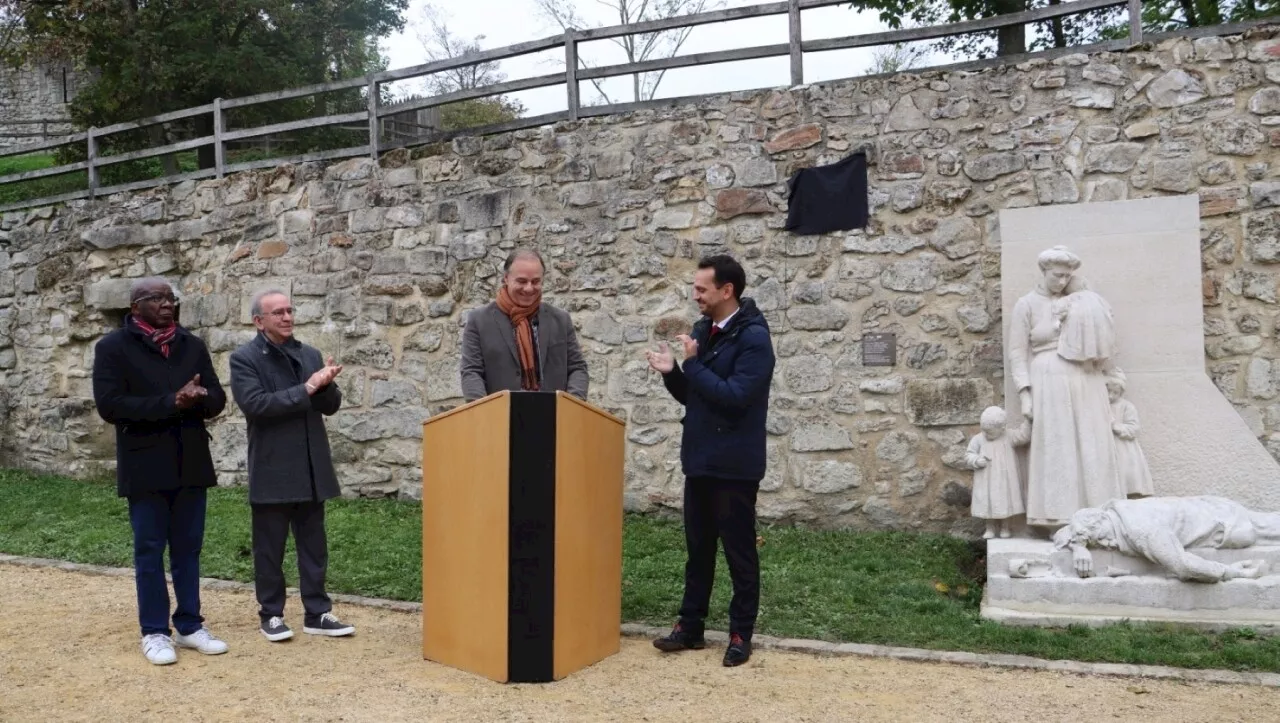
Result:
<point x="289" y="459"/>
<point x="158" y="446"/>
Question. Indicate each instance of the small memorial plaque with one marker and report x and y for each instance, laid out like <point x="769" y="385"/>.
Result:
<point x="879" y="350"/>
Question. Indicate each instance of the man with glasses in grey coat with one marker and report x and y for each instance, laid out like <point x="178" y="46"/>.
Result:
<point x="286" y="389"/>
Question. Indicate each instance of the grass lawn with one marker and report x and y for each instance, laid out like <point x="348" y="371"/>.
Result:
<point x="890" y="588"/>
<point x="40" y="187"/>
<point x="79" y="180"/>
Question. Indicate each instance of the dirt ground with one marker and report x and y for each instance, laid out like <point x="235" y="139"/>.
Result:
<point x="69" y="650"/>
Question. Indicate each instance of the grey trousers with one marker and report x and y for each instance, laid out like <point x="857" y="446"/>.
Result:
<point x="271" y="526"/>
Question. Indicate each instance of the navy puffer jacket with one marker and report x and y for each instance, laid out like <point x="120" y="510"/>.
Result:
<point x="725" y="391"/>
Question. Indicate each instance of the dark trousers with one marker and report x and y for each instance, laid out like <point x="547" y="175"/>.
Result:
<point x="271" y="525"/>
<point x="174" y="518"/>
<point x="724" y="510"/>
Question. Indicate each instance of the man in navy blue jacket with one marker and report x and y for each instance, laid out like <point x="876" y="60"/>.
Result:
<point x="155" y="382"/>
<point x="724" y="386"/>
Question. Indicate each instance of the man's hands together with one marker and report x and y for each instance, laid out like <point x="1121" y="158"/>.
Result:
<point x="663" y="361"/>
<point x="190" y="393"/>
<point x="690" y="346"/>
<point x="324" y="377"/>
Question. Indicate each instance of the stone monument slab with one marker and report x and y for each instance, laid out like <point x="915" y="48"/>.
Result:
<point x="1143" y="257"/>
<point x="1045" y="591"/>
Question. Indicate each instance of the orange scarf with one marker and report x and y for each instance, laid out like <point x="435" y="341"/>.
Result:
<point x="520" y="316"/>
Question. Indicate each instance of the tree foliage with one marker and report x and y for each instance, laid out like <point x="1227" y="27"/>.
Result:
<point x="153" y="56"/>
<point x="1060" y="32"/>
<point x="10" y="27"/>
<point x="1166" y="15"/>
<point x="1073" y="30"/>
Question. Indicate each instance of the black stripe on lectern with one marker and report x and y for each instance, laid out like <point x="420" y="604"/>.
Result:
<point x="532" y="534"/>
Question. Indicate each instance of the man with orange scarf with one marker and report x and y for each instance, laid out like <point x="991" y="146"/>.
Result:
<point x="517" y="342"/>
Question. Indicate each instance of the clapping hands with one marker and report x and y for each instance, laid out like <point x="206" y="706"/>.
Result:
<point x="690" y="345"/>
<point x="190" y="393"/>
<point x="661" y="360"/>
<point x="323" y="377"/>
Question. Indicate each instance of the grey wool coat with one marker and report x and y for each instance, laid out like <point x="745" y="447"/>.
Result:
<point x="491" y="362"/>
<point x="289" y="456"/>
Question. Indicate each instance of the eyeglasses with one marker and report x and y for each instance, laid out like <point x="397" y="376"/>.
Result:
<point x="159" y="298"/>
<point x="280" y="312"/>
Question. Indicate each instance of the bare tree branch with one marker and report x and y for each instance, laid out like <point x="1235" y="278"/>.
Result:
<point x="896" y="58"/>
<point x="636" y="48"/>
<point x="441" y="44"/>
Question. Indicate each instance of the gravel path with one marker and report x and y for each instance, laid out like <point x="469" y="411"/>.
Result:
<point x="69" y="651"/>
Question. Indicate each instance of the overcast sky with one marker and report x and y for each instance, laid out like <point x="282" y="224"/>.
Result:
<point x="505" y="22"/>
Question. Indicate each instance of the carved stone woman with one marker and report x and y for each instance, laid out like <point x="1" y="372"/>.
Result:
<point x="1061" y="348"/>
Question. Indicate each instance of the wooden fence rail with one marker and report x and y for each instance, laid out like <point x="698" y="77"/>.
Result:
<point x="14" y="129"/>
<point x="377" y="117"/>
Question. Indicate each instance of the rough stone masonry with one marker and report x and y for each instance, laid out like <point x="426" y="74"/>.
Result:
<point x="384" y="259"/>
<point x="35" y="98"/>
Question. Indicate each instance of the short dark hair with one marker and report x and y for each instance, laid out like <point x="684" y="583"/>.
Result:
<point x="523" y="253"/>
<point x="726" y="271"/>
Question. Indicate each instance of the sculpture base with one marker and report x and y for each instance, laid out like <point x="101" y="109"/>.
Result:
<point x="1052" y="595"/>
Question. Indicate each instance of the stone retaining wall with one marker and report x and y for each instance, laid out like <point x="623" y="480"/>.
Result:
<point x="384" y="259"/>
<point x="37" y="92"/>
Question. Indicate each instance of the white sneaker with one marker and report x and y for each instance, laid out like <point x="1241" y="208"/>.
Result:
<point x="159" y="649"/>
<point x="203" y="641"/>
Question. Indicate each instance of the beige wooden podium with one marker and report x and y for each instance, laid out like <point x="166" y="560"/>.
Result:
<point x="522" y="536"/>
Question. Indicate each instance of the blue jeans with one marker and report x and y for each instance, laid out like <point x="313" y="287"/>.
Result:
<point x="175" y="518"/>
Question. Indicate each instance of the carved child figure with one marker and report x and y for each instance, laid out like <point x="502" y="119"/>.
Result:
<point x="997" y="487"/>
<point x="1131" y="463"/>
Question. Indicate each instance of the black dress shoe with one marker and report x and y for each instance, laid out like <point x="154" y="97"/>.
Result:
<point x="738" y="652"/>
<point x="680" y="639"/>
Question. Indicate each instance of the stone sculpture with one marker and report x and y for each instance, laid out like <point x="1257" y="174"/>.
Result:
<point x="997" y="486"/>
<point x="1135" y="475"/>
<point x="1160" y="529"/>
<point x="1061" y="348"/>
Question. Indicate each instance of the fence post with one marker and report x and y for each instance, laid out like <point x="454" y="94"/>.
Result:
<point x="797" y="52"/>
<point x="1135" y="21"/>
<point x="92" y="140"/>
<point x="219" y="163"/>
<point x="571" y="70"/>
<point x="373" y="117"/>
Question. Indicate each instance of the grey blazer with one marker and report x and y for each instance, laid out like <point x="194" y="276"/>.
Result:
<point x="491" y="363"/>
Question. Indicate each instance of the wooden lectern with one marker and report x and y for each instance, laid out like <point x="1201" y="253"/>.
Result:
<point x="522" y="536"/>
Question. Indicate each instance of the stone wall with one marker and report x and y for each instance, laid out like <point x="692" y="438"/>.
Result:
<point x="37" y="92"/>
<point x="383" y="260"/>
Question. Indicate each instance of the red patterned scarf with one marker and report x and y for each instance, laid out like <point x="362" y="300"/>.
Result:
<point x="161" y="337"/>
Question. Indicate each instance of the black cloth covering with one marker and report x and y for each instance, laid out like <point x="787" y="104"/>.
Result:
<point x="829" y="198"/>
